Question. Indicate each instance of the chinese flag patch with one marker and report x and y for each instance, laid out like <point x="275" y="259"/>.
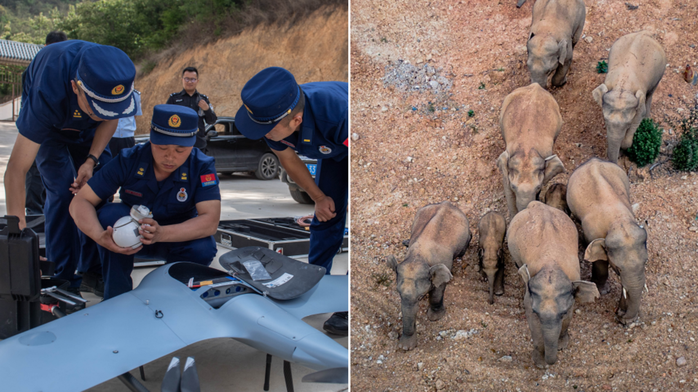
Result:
<point x="209" y="179"/>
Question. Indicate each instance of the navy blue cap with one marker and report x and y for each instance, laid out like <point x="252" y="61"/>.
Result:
<point x="106" y="75"/>
<point x="174" y="124"/>
<point x="266" y="98"/>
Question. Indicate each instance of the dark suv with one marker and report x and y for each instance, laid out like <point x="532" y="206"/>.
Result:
<point x="297" y="193"/>
<point x="236" y="153"/>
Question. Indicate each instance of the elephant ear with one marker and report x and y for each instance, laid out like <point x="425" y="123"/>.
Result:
<point x="440" y="275"/>
<point x="525" y="275"/>
<point x="585" y="291"/>
<point x="641" y="110"/>
<point x="598" y="93"/>
<point x="596" y="250"/>
<point x="502" y="163"/>
<point x="392" y="263"/>
<point x="562" y="51"/>
<point x="553" y="167"/>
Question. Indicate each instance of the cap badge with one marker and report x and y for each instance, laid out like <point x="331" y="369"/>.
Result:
<point x="182" y="195"/>
<point x="117" y="90"/>
<point x="174" y="121"/>
<point x="325" y="149"/>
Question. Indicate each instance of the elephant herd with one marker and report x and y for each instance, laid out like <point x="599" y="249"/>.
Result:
<point x="542" y="239"/>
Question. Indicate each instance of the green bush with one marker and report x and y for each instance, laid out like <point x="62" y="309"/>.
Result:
<point x="646" y="143"/>
<point x="685" y="155"/>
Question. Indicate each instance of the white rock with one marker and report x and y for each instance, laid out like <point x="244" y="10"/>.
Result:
<point x="354" y="136"/>
<point x="681" y="362"/>
<point x="636" y="208"/>
<point x="420" y="365"/>
<point x="588" y="39"/>
<point x="506" y="358"/>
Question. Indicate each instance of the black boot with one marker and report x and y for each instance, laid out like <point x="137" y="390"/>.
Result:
<point x="338" y="324"/>
<point x="92" y="283"/>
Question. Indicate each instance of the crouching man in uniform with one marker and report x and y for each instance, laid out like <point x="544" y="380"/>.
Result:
<point x="177" y="182"/>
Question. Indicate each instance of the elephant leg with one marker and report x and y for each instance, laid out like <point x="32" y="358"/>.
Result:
<point x="511" y="198"/>
<point x="560" y="77"/>
<point x="627" y="140"/>
<point x="648" y="103"/>
<point x="436" y="303"/>
<point x="599" y="275"/>
<point x="499" y="281"/>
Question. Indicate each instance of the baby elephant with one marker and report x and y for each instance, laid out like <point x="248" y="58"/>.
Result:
<point x="636" y="64"/>
<point x="599" y="196"/>
<point x="439" y="234"/>
<point x="492" y="228"/>
<point x="556" y="27"/>
<point x="530" y="122"/>
<point x="543" y="244"/>
<point x="556" y="197"/>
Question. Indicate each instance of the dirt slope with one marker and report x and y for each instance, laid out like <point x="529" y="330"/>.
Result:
<point x="418" y="68"/>
<point x="313" y="50"/>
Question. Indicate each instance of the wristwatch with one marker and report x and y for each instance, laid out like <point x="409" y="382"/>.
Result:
<point x="94" y="158"/>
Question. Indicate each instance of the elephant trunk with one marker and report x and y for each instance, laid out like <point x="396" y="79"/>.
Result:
<point x="539" y="77"/>
<point x="614" y="136"/>
<point x="551" y="335"/>
<point x="409" y="317"/>
<point x="630" y="300"/>
<point x="525" y="196"/>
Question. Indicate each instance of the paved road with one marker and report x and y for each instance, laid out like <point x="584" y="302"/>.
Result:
<point x="222" y="364"/>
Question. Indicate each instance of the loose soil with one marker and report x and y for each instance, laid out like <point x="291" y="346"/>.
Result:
<point x="427" y="80"/>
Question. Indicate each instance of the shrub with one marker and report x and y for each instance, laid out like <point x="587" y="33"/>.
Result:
<point x="602" y="67"/>
<point x="685" y="154"/>
<point x="646" y="143"/>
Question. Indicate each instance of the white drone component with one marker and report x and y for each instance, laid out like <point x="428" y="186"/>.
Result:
<point x="126" y="233"/>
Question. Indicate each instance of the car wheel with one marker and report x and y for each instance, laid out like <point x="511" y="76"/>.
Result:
<point x="300" y="196"/>
<point x="268" y="167"/>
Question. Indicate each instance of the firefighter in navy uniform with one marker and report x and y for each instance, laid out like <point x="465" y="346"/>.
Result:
<point x="191" y="98"/>
<point x="311" y="119"/>
<point x="73" y="94"/>
<point x="177" y="183"/>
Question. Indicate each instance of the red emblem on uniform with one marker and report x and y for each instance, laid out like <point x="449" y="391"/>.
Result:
<point x="208" y="179"/>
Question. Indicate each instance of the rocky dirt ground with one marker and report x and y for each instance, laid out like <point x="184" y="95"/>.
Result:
<point x="428" y="79"/>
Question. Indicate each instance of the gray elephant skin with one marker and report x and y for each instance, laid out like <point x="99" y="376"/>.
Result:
<point x="440" y="233"/>
<point x="530" y="122"/>
<point x="599" y="196"/>
<point x="543" y="244"/>
<point x="492" y="228"/>
<point x="555" y="29"/>
<point x="636" y="64"/>
<point x="556" y="197"/>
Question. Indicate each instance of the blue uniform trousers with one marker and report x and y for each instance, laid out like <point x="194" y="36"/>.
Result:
<point x="35" y="192"/>
<point x="332" y="177"/>
<point x="117" y="267"/>
<point x="58" y="162"/>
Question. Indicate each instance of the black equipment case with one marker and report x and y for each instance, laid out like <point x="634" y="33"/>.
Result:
<point x="282" y="235"/>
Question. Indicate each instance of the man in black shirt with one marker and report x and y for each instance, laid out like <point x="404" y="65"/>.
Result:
<point x="191" y="98"/>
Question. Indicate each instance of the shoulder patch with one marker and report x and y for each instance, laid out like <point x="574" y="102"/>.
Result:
<point x="209" y="179"/>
